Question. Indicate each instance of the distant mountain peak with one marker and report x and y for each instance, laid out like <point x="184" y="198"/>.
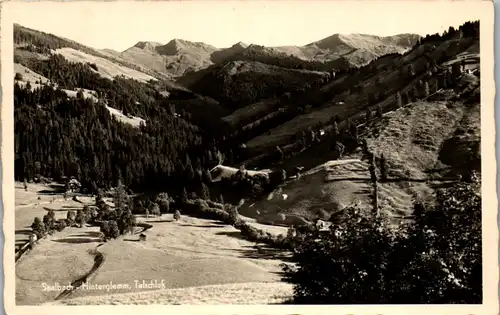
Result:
<point x="147" y="45"/>
<point x="177" y="45"/>
<point x="363" y="41"/>
<point x="240" y="44"/>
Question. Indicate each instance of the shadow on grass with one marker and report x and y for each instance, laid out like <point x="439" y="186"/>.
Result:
<point x="24" y="232"/>
<point x="351" y="179"/>
<point x="258" y="251"/>
<point x="265" y="252"/>
<point x="159" y="221"/>
<point x="55" y="210"/>
<point x="48" y="192"/>
<point x="218" y="225"/>
<point x="94" y="234"/>
<point x="288" y="301"/>
<point x="439" y="185"/>
<point x="235" y="234"/>
<point x="54" y="190"/>
<point x="78" y="240"/>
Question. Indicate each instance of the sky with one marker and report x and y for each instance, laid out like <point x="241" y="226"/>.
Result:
<point x="120" y="25"/>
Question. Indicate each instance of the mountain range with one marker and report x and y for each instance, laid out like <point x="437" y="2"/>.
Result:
<point x="179" y="57"/>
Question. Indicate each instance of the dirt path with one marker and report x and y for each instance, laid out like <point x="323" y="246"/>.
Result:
<point x="99" y="259"/>
<point x="98" y="262"/>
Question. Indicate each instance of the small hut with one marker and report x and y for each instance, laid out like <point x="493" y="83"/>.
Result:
<point x="142" y="237"/>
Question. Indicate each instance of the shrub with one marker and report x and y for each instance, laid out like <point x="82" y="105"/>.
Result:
<point x="87" y="213"/>
<point x="177" y="215"/>
<point x="38" y="227"/>
<point x="49" y="223"/>
<point x="154" y="209"/>
<point x="216" y="205"/>
<point x="80" y="218"/>
<point x="105" y="229"/>
<point x="61" y="225"/>
<point x="127" y="222"/>
<point x="52" y="214"/>
<point x="163" y="201"/>
<point x="234" y="217"/>
<point x="114" y="231"/>
<point x="18" y="77"/>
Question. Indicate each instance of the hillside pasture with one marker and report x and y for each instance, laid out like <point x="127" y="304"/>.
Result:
<point x="106" y="68"/>
<point x="29" y="75"/>
<point x="221" y="171"/>
<point x="328" y="188"/>
<point x="251" y="112"/>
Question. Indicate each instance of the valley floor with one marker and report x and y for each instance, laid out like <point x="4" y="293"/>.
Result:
<point x="199" y="261"/>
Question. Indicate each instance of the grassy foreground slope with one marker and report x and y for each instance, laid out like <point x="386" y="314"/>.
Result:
<point x="189" y="253"/>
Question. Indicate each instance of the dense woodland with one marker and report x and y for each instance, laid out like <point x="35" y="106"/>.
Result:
<point x="57" y="136"/>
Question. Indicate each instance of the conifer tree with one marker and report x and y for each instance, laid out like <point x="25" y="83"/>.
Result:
<point x="205" y="192"/>
<point x="184" y="196"/>
<point x="426" y="89"/>
<point x="399" y="101"/>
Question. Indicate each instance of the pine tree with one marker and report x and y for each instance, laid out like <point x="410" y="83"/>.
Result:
<point x="336" y="131"/>
<point x="188" y="170"/>
<point x="368" y="115"/>
<point x="120" y="197"/>
<point x="416" y="94"/>
<point x="184" y="196"/>
<point x="280" y="153"/>
<point x="426" y="89"/>
<point x="407" y="98"/>
<point x="205" y="192"/>
<point x="399" y="101"/>
<point x="383" y="169"/>
<point x="354" y="131"/>
<point x="379" y="111"/>
<point x="207" y="177"/>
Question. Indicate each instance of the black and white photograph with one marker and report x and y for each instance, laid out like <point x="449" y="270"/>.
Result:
<point x="280" y="153"/>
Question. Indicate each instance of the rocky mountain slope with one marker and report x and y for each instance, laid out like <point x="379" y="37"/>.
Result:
<point x="358" y="49"/>
<point x="175" y="58"/>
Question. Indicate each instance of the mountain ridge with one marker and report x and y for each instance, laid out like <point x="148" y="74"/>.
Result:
<point x="177" y="55"/>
